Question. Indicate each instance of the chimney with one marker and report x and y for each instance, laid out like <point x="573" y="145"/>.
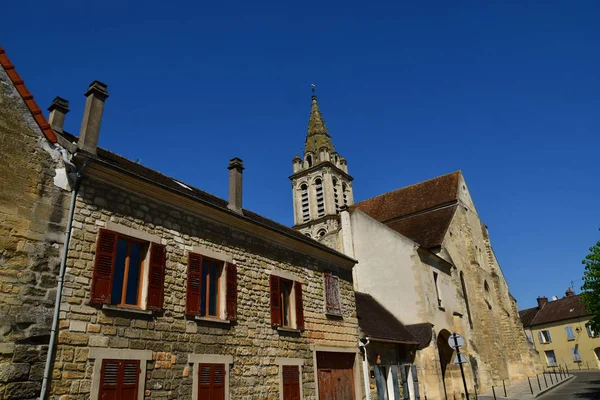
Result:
<point x="541" y="302"/>
<point x="570" y="292"/>
<point x="236" y="166"/>
<point x="58" y="110"/>
<point x="92" y="116"/>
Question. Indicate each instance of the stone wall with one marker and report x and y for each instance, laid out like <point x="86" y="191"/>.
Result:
<point x="32" y="224"/>
<point x="171" y="337"/>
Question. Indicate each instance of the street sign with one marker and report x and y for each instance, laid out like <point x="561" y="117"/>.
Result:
<point x="460" y="359"/>
<point x="455" y="340"/>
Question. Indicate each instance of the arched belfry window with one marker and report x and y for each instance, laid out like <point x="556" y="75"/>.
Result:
<point x="304" y="202"/>
<point x="487" y="296"/>
<point x="309" y="160"/>
<point x="319" y="193"/>
<point x="345" y="193"/>
<point x="335" y="194"/>
<point x="466" y="297"/>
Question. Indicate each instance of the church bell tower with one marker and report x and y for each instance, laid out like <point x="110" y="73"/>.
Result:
<point x="320" y="182"/>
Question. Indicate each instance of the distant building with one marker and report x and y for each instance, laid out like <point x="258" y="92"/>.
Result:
<point x="559" y="330"/>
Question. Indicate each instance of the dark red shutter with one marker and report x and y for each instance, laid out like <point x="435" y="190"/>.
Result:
<point x="332" y="294"/>
<point x="156" y="281"/>
<point x="129" y="383"/>
<point x="275" y="301"/>
<point x="291" y="382"/>
<point x="299" y="306"/>
<point x="211" y="381"/>
<point x="119" y="379"/>
<point x="106" y="250"/>
<point x="194" y="279"/>
<point x="231" y="292"/>
<point x="109" y="380"/>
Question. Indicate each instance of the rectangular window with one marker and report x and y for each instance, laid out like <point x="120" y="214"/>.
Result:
<point x="576" y="356"/>
<point x="291" y="382"/>
<point x="437" y="289"/>
<point x="544" y="337"/>
<point x="286" y="303"/>
<point x="332" y="294"/>
<point x="119" y="379"/>
<point x="209" y="294"/>
<point x="550" y="358"/>
<point x="122" y="272"/>
<point x="211" y="381"/>
<point x="570" y="334"/>
<point x="590" y="331"/>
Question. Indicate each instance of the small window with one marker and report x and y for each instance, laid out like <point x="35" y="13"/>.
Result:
<point x="309" y="160"/>
<point x="576" y="356"/>
<point x="335" y="195"/>
<point x="332" y="294"/>
<point x="437" y="289"/>
<point x="345" y="193"/>
<point x="286" y="303"/>
<point x="304" y="202"/>
<point x="119" y="379"/>
<point x="127" y="278"/>
<point x="550" y="358"/>
<point x="488" y="297"/>
<point x="321" y="233"/>
<point x="544" y="337"/>
<point x="211" y="381"/>
<point x="319" y="193"/>
<point x="570" y="334"/>
<point x="591" y="333"/>
<point x="291" y="382"/>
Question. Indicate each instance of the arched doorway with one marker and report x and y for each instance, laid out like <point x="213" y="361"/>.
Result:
<point x="445" y="354"/>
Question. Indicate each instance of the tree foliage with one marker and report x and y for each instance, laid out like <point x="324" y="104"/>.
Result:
<point x="591" y="285"/>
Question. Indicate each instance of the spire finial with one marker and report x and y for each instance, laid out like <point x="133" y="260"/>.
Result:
<point x="313" y="88"/>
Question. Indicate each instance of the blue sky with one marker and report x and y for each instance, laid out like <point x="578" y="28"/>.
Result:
<point x="506" y="92"/>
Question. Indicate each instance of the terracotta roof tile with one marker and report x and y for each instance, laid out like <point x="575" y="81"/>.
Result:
<point x="427" y="229"/>
<point x="378" y="323"/>
<point x="27" y="97"/>
<point x="558" y="310"/>
<point x="527" y="316"/>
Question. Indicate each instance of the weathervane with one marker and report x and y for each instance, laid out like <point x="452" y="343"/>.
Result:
<point x="313" y="88"/>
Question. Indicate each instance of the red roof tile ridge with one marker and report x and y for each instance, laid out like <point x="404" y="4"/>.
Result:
<point x="37" y="114"/>
<point x="409" y="186"/>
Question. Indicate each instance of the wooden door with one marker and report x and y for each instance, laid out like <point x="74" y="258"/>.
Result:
<point x="335" y="373"/>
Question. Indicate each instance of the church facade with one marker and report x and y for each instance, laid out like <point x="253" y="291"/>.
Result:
<point x="425" y="255"/>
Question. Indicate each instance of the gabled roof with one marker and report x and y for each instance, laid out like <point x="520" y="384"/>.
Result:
<point x="27" y="97"/>
<point x="378" y="323"/>
<point x="554" y="311"/>
<point x="422" y="212"/>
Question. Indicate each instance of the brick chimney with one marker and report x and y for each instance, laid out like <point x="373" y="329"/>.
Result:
<point x="92" y="117"/>
<point x="541" y="302"/>
<point x="236" y="166"/>
<point x="570" y="292"/>
<point x="58" y="110"/>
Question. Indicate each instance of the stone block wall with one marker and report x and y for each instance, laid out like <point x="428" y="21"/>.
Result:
<point x="171" y="337"/>
<point x="32" y="224"/>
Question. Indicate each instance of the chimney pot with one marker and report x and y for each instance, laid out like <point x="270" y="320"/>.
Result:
<point x="541" y="302"/>
<point x="92" y="116"/>
<point x="570" y="292"/>
<point x="58" y="110"/>
<point x="236" y="166"/>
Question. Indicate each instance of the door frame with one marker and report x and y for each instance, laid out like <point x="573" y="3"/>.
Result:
<point x="358" y="393"/>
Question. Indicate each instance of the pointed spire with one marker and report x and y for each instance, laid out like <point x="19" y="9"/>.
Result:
<point x="317" y="135"/>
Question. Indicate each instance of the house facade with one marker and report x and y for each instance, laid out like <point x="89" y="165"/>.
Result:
<point x="560" y="332"/>
<point x="167" y="291"/>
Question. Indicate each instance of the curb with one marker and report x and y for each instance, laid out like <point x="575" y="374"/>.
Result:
<point x="552" y="387"/>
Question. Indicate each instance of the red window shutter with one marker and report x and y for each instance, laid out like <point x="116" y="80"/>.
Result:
<point x="211" y="381"/>
<point x="332" y="294"/>
<point x="102" y="279"/>
<point x="156" y="280"/>
<point x="291" y="382"/>
<point x="129" y="383"/>
<point x="231" y="292"/>
<point x="109" y="380"/>
<point x="299" y="306"/>
<point x="194" y="279"/>
<point x="218" y="387"/>
<point x="119" y="379"/>
<point x="275" y="301"/>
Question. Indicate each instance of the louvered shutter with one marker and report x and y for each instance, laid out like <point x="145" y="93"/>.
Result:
<point x="299" y="306"/>
<point x="156" y="280"/>
<point x="540" y="337"/>
<point x="194" y="277"/>
<point x="406" y="394"/>
<point x="332" y="294"/>
<point x="204" y="381"/>
<point x="211" y="381"/>
<point x="291" y="382"/>
<point x="274" y="285"/>
<point x="231" y="294"/>
<point x="102" y="279"/>
<point x="549" y="337"/>
<point x="129" y="383"/>
<point x="109" y="380"/>
<point x="415" y="381"/>
<point x="119" y="379"/>
<point x="218" y="382"/>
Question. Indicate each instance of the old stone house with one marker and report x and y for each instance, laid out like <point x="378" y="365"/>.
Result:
<point x="168" y="292"/>
<point x="423" y="254"/>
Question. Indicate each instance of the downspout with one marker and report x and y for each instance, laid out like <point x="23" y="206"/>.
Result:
<point x="363" y="349"/>
<point x="74" y="176"/>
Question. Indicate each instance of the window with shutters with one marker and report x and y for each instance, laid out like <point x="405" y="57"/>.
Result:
<point x="570" y="333"/>
<point x="591" y="333"/>
<point x="119" y="379"/>
<point x="544" y="337"/>
<point x="333" y="304"/>
<point x="550" y="358"/>
<point x="211" y="381"/>
<point x="290" y="376"/>
<point x="304" y="202"/>
<point x="211" y="288"/>
<point x="286" y="303"/>
<point x="128" y="272"/>
<point x="320" y="201"/>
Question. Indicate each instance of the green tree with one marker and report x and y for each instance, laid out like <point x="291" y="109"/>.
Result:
<point x="591" y="285"/>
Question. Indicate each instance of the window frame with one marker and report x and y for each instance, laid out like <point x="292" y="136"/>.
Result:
<point x="221" y="282"/>
<point x="286" y="298"/>
<point x="329" y="278"/>
<point x="305" y="202"/>
<point x="297" y="321"/>
<point x="570" y="333"/>
<point x="542" y="335"/>
<point x="145" y="254"/>
<point x="100" y="354"/>
<point x="437" y="289"/>
<point x="576" y="354"/>
<point x="197" y="359"/>
<point x="591" y="333"/>
<point x="320" y="197"/>
<point x="548" y="358"/>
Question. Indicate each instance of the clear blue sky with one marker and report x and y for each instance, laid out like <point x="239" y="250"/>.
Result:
<point x="508" y="93"/>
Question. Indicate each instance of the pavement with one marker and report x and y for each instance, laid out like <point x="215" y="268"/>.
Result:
<point x="585" y="386"/>
<point x="520" y="390"/>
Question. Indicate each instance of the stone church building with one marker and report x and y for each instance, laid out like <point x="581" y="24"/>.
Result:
<point x="424" y="255"/>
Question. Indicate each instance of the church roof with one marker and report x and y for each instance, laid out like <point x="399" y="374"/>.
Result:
<point x="317" y="135"/>
<point x="422" y="212"/>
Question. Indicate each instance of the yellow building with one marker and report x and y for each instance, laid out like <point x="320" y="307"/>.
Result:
<point x="560" y="332"/>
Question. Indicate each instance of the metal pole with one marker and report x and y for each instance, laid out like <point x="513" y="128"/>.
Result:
<point x="530" y="388"/>
<point x="545" y="380"/>
<point x="551" y="380"/>
<point x="462" y="371"/>
<point x="504" y="387"/>
<point x="494" y="392"/>
<point x="555" y="376"/>
<point x="539" y="384"/>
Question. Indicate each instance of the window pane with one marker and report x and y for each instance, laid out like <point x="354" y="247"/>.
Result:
<point x="285" y="302"/>
<point x="119" y="272"/>
<point x="213" y="291"/>
<point x="133" y="278"/>
<point x="205" y="267"/>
